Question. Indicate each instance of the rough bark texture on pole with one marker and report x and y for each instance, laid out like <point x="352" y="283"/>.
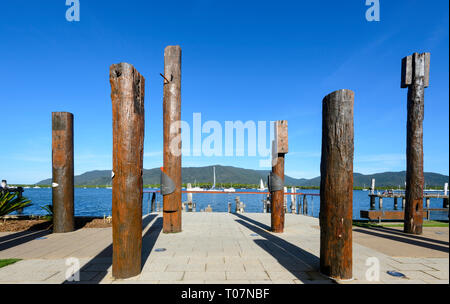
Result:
<point x="415" y="76"/>
<point x="277" y="204"/>
<point x="62" y="170"/>
<point x="172" y="137"/>
<point x="336" y="185"/>
<point x="127" y="96"/>
<point x="279" y="149"/>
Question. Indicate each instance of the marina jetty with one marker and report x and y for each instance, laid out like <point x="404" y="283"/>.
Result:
<point x="398" y="213"/>
<point x="207" y="247"/>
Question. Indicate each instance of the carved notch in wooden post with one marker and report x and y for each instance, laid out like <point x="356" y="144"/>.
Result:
<point x="415" y="77"/>
<point x="127" y="96"/>
<point x="276" y="184"/>
<point x="336" y="185"/>
<point x="62" y="171"/>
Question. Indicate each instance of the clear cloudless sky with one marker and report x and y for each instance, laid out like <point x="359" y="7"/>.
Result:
<point x="242" y="60"/>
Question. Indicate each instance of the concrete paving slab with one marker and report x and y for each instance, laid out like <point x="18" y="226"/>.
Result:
<point x="220" y="248"/>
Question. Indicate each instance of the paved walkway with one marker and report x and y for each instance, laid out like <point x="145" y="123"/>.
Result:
<point x="213" y="248"/>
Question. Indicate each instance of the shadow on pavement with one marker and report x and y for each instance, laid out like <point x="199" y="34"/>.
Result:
<point x="302" y="264"/>
<point x="97" y="268"/>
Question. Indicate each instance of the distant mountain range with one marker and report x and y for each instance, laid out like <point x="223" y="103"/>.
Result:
<point x="227" y="174"/>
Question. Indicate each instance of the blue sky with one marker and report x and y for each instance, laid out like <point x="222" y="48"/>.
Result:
<point x="242" y="60"/>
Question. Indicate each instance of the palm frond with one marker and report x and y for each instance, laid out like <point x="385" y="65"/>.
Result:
<point x="10" y="202"/>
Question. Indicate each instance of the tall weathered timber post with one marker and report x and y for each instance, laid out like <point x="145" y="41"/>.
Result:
<point x="276" y="179"/>
<point x="127" y="96"/>
<point x="62" y="171"/>
<point x="336" y="185"/>
<point x="171" y="174"/>
<point x="415" y="77"/>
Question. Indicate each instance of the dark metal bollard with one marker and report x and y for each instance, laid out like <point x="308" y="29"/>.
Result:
<point x="415" y="76"/>
<point x="336" y="185"/>
<point x="305" y="205"/>
<point x="153" y="202"/>
<point x="279" y="149"/>
<point x="172" y="138"/>
<point x="62" y="171"/>
<point x="372" y="202"/>
<point x="19" y="195"/>
<point x="127" y="96"/>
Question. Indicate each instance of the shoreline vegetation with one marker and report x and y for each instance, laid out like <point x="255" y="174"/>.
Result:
<point x="236" y="186"/>
<point x="39" y="223"/>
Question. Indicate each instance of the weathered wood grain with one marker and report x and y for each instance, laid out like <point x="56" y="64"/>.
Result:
<point x="418" y="68"/>
<point x="127" y="96"/>
<point x="62" y="171"/>
<point x="172" y="137"/>
<point x="336" y="185"/>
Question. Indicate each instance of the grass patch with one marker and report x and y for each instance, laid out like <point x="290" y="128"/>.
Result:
<point x="394" y="225"/>
<point x="365" y="224"/>
<point x="425" y="224"/>
<point x="7" y="262"/>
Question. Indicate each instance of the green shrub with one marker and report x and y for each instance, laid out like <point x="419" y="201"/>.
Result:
<point x="10" y="202"/>
<point x="49" y="209"/>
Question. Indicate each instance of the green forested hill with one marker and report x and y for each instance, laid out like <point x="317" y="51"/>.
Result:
<point x="227" y="174"/>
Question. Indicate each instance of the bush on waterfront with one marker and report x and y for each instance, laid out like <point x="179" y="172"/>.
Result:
<point x="10" y="202"/>
<point x="49" y="210"/>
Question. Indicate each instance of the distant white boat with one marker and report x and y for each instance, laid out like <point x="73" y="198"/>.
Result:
<point x="36" y="187"/>
<point x="196" y="189"/>
<point x="261" y="185"/>
<point x="213" y="188"/>
<point x="231" y="189"/>
<point x="110" y="183"/>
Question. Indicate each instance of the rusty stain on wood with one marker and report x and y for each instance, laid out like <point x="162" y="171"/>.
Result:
<point x="336" y="185"/>
<point x="127" y="96"/>
<point x="62" y="171"/>
<point x="172" y="137"/>
<point x="415" y="76"/>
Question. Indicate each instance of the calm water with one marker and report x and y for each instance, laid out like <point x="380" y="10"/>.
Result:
<point x="97" y="202"/>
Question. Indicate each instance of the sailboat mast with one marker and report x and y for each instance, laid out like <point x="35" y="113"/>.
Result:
<point x="214" y="184"/>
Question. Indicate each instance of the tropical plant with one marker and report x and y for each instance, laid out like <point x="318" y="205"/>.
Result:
<point x="10" y="202"/>
<point x="49" y="210"/>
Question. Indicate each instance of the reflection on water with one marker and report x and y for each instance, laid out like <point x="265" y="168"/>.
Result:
<point x="97" y="202"/>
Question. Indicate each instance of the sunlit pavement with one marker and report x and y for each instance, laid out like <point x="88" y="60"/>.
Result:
<point x="215" y="248"/>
